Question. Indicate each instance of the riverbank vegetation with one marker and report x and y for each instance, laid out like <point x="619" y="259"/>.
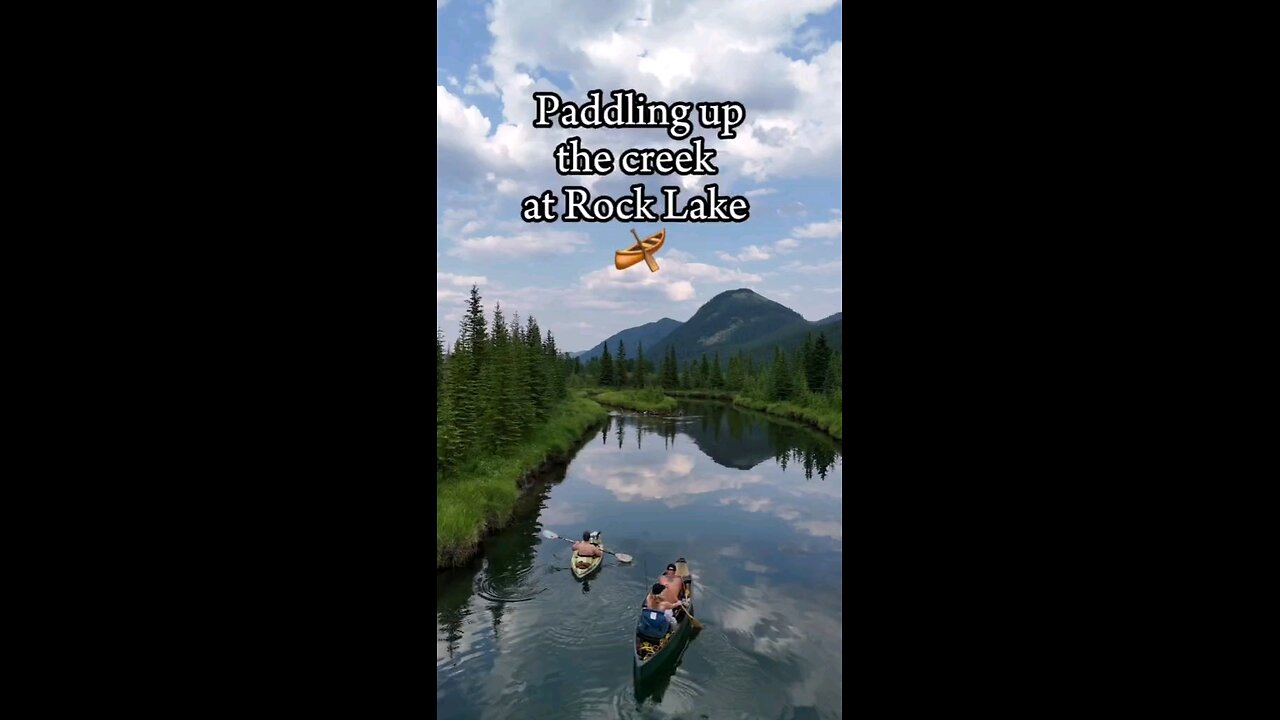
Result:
<point x="807" y="385"/>
<point x="646" y="400"/>
<point x="503" y="411"/>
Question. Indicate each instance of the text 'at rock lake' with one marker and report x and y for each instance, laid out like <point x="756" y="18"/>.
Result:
<point x="580" y="206"/>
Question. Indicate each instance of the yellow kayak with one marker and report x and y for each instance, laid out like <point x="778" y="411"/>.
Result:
<point x="584" y="566"/>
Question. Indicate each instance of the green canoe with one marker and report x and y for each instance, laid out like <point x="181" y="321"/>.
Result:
<point x="650" y="654"/>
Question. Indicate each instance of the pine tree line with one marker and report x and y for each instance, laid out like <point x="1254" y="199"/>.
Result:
<point x="494" y="386"/>
<point x="812" y="374"/>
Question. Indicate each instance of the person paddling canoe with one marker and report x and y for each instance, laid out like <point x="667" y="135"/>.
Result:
<point x="672" y="584"/>
<point x="657" y="601"/>
<point x="586" y="548"/>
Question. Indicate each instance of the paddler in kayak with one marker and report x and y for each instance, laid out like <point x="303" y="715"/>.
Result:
<point x="585" y="548"/>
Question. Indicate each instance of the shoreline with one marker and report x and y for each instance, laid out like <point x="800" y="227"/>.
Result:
<point x="626" y="400"/>
<point x="783" y="409"/>
<point x="482" y="501"/>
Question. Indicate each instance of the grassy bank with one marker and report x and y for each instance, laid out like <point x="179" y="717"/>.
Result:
<point x="829" y="421"/>
<point x="726" y="395"/>
<point x="650" y="400"/>
<point x="480" y="500"/>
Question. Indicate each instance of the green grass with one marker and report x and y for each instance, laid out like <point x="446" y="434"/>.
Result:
<point x="830" y="421"/>
<point x="727" y="395"/>
<point x="484" y="494"/>
<point x="642" y="400"/>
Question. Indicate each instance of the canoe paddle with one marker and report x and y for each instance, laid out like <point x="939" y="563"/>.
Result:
<point x="697" y="626"/>
<point x="648" y="256"/>
<point x="623" y="557"/>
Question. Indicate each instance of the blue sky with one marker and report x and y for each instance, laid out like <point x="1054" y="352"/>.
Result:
<point x="783" y="61"/>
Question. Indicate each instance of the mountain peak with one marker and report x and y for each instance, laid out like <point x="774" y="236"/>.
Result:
<point x="739" y="320"/>
<point x="732" y="319"/>
<point x="739" y="291"/>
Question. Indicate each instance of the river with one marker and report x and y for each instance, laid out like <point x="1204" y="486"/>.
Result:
<point x="753" y="503"/>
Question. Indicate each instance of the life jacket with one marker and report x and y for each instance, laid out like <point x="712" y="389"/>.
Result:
<point x="653" y="624"/>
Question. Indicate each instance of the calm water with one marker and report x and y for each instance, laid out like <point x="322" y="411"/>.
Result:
<point x="753" y="504"/>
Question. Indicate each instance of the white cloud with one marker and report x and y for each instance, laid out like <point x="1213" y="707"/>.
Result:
<point x="675" y="280"/>
<point x="753" y="253"/>
<point x="673" y="482"/>
<point x="760" y="192"/>
<point x="712" y="273"/>
<point x="828" y="268"/>
<point x="823" y="528"/>
<point x="477" y="85"/>
<point x="820" y="230"/>
<point x="749" y="253"/>
<point x="749" y="504"/>
<point x="690" y="51"/>
<point x="680" y="291"/>
<point x="460" y="280"/>
<point x="454" y="119"/>
<point x="441" y="3"/>
<point x="519" y="247"/>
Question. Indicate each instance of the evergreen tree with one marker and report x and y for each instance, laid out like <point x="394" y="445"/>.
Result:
<point x="704" y="372"/>
<point x="816" y="364"/>
<point x="536" y="376"/>
<point x="467" y="387"/>
<point x="522" y="403"/>
<point x="780" y="378"/>
<point x="555" y="370"/>
<point x="717" y="380"/>
<point x="620" y="366"/>
<point x="606" y="368"/>
<point x="670" y="374"/>
<point x="835" y="370"/>
<point x="737" y="373"/>
<point x="504" y="426"/>
<point x="640" y="365"/>
<point x="803" y="356"/>
<point x="799" y="383"/>
<point x="473" y="329"/>
<point x="439" y="364"/>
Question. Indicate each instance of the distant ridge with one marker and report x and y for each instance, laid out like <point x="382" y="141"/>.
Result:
<point x="650" y="334"/>
<point x="734" y="321"/>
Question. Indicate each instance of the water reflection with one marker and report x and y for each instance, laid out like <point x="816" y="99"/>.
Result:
<point x="736" y="439"/>
<point x="519" y="637"/>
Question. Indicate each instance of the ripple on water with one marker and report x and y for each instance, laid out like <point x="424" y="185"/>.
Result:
<point x="517" y="586"/>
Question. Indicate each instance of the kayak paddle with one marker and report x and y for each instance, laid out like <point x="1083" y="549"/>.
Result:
<point x="623" y="557"/>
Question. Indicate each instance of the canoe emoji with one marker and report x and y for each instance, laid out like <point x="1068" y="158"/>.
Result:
<point x="642" y="250"/>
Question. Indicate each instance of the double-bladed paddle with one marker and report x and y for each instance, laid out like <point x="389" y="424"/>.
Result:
<point x="623" y="557"/>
